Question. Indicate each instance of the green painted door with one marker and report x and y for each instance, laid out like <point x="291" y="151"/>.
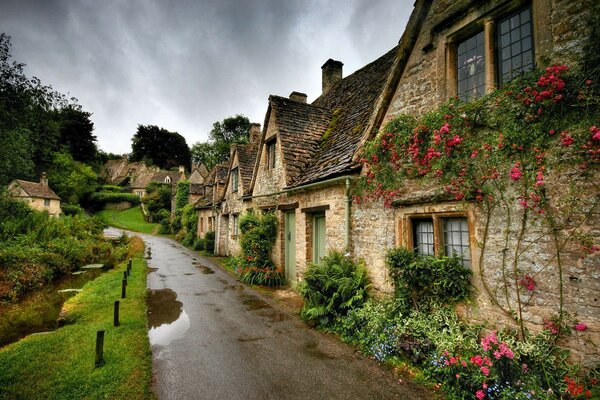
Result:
<point x="318" y="237"/>
<point x="290" y="246"/>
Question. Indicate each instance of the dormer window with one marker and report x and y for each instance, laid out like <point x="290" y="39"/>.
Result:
<point x="168" y="180"/>
<point x="271" y="154"/>
<point x="234" y="179"/>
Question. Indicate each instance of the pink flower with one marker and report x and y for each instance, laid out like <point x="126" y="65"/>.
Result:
<point x="477" y="360"/>
<point x="480" y="394"/>
<point x="444" y="129"/>
<point x="485" y="370"/>
<point x="580" y="327"/>
<point x="566" y="139"/>
<point x="488" y="340"/>
<point x="539" y="179"/>
<point x="515" y="172"/>
<point x="595" y="133"/>
<point x="527" y="282"/>
<point x="552" y="131"/>
<point x="474" y="154"/>
<point x="457" y="376"/>
<point x="506" y="351"/>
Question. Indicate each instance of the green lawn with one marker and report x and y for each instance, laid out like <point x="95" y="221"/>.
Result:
<point x="131" y="219"/>
<point x="60" y="364"/>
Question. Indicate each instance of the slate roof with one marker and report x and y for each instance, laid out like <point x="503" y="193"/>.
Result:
<point x="34" y="189"/>
<point x="246" y="159"/>
<point x="301" y="127"/>
<point x="196" y="188"/>
<point x="160" y="176"/>
<point x="142" y="180"/>
<point x="351" y="102"/>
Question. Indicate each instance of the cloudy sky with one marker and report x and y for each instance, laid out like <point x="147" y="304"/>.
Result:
<point x="185" y="64"/>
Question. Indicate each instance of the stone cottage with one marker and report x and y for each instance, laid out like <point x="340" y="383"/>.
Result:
<point x="209" y="202"/>
<point x="308" y="157"/>
<point x="38" y="196"/>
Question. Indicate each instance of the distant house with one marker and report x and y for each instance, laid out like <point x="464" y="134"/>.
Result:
<point x="38" y="196"/>
<point x="142" y="180"/>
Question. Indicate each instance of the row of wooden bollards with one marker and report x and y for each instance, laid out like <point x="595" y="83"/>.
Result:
<point x="100" y="333"/>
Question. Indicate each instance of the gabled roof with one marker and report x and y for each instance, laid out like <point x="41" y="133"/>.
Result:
<point x="34" y="189"/>
<point x="196" y="188"/>
<point x="246" y="159"/>
<point x="352" y="102"/>
<point x="160" y="176"/>
<point x="301" y="127"/>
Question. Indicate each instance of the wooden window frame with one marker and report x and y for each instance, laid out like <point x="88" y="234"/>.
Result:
<point x="438" y="230"/>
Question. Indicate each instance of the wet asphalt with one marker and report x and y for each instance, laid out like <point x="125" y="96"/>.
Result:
<point x="214" y="338"/>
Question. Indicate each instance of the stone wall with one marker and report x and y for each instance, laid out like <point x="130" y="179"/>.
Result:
<point x="560" y="28"/>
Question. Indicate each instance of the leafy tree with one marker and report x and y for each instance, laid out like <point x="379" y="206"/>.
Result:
<point x="160" y="147"/>
<point x="71" y="180"/>
<point x="15" y="155"/>
<point x="76" y="133"/>
<point x="223" y="134"/>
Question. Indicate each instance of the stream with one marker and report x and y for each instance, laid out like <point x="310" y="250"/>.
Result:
<point x="38" y="311"/>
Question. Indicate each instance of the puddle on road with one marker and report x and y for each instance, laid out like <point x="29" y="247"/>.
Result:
<point x="254" y="303"/>
<point x="205" y="270"/>
<point x="167" y="319"/>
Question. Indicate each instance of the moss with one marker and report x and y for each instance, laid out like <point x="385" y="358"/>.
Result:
<point x="332" y="124"/>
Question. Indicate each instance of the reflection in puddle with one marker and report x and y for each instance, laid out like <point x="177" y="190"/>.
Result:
<point x="167" y="319"/>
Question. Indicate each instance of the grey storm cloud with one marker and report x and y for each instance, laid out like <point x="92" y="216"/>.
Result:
<point x="184" y="65"/>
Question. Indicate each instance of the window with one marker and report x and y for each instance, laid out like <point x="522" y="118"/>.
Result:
<point x="423" y="232"/>
<point x="451" y="234"/>
<point x="234" y="179"/>
<point x="201" y="224"/>
<point x="168" y="180"/>
<point x="471" y="67"/>
<point x="271" y="154"/>
<point x="456" y="239"/>
<point x="515" y="45"/>
<point x="46" y="202"/>
<point x="235" y="226"/>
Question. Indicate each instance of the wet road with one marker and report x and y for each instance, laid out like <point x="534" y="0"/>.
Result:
<point x="214" y="338"/>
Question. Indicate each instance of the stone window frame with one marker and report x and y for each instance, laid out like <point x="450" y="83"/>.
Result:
<point x="235" y="174"/>
<point x="405" y="227"/>
<point x="489" y="25"/>
<point x="271" y="153"/>
<point x="46" y="202"/>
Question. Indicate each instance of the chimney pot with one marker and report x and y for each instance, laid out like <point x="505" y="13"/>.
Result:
<point x="298" y="96"/>
<point x="44" y="179"/>
<point x="332" y="72"/>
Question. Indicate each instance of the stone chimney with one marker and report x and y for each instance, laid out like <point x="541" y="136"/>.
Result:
<point x="255" y="132"/>
<point x="181" y="169"/>
<point x="44" y="179"/>
<point x="332" y="72"/>
<point x="297" y="96"/>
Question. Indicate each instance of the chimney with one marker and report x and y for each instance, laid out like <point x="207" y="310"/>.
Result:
<point x="297" y="96"/>
<point x="181" y="169"/>
<point x="332" y="72"/>
<point x="44" y="179"/>
<point x="255" y="132"/>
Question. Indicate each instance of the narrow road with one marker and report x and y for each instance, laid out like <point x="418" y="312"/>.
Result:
<point x="214" y="338"/>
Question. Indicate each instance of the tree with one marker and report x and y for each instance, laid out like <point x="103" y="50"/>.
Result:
<point x="71" y="180"/>
<point x="160" y="147"/>
<point x="223" y="134"/>
<point x="76" y="133"/>
<point x="15" y="155"/>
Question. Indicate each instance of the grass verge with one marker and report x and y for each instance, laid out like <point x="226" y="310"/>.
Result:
<point x="131" y="219"/>
<point x="60" y="364"/>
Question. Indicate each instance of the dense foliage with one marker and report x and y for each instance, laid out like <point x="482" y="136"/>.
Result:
<point x="223" y="134"/>
<point x="209" y="242"/>
<point x="158" y="201"/>
<point x="257" y="237"/>
<point x="36" y="248"/>
<point x="160" y="147"/>
<point x="425" y="283"/>
<point x="36" y="122"/>
<point x="99" y="200"/>
<point x="333" y="287"/>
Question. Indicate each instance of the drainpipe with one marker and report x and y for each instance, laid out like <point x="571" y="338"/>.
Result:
<point x="347" y="219"/>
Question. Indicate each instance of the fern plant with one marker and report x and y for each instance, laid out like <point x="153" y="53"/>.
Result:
<point x="332" y="288"/>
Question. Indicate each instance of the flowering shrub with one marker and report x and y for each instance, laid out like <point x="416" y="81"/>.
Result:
<point x="257" y="236"/>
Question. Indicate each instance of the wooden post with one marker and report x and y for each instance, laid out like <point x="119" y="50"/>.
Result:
<point x="125" y="276"/>
<point x="116" y="312"/>
<point x="123" y="288"/>
<point x="99" y="348"/>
